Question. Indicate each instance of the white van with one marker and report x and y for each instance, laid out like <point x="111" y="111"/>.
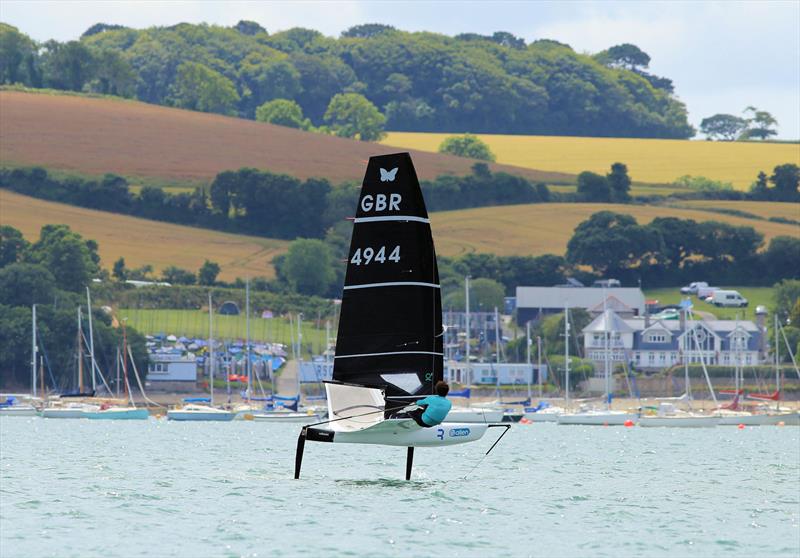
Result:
<point x="728" y="298"/>
<point x="703" y="292"/>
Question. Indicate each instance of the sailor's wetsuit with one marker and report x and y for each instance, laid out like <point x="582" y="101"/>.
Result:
<point x="433" y="411"/>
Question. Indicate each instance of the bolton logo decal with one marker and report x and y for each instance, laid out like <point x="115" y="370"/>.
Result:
<point x="456" y="432"/>
<point x="388" y="176"/>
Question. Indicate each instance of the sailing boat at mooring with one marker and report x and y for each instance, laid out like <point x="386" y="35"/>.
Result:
<point x="389" y="347"/>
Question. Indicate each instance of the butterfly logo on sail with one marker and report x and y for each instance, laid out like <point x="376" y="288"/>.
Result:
<point x="388" y="176"/>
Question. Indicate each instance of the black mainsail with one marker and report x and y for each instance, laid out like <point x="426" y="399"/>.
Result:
<point x="390" y="327"/>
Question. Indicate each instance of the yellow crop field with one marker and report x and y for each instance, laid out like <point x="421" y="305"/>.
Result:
<point x="141" y="241"/>
<point x="649" y="160"/>
<point x="765" y="210"/>
<point x="535" y="229"/>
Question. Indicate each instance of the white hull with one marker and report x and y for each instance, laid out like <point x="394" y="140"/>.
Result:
<point x="550" y="414"/>
<point x="760" y="419"/>
<point x="279" y="416"/>
<point x="199" y="415"/>
<point x="118" y="414"/>
<point x="689" y="421"/>
<point x="18" y="411"/>
<point x="407" y="433"/>
<point x="474" y="415"/>
<point x="66" y="412"/>
<point x="598" y="418"/>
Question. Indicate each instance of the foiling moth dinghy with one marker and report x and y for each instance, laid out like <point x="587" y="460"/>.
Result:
<point x="389" y="347"/>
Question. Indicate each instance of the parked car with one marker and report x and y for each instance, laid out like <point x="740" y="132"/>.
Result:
<point x="691" y="288"/>
<point x="704" y="292"/>
<point x="728" y="298"/>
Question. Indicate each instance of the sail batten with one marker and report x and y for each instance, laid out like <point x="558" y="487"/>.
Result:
<point x="391" y="317"/>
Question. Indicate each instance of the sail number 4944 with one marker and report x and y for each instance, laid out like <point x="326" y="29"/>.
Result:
<point x="368" y="255"/>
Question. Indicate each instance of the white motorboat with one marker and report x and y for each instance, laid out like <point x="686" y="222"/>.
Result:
<point x="734" y="418"/>
<point x="474" y="414"/>
<point x="548" y="414"/>
<point x="197" y="412"/>
<point x="13" y="408"/>
<point x="598" y="417"/>
<point x="669" y="416"/>
<point x="72" y="410"/>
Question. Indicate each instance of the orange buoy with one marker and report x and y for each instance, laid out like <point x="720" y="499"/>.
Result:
<point x="740" y="427"/>
<point x="605" y="424"/>
<point x="628" y="423"/>
<point x="781" y="423"/>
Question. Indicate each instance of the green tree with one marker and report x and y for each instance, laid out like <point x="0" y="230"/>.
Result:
<point x="760" y="188"/>
<point x="308" y="267"/>
<point x="67" y="65"/>
<point x="351" y="115"/>
<point x="265" y="78"/>
<point x="12" y="245"/>
<point x="786" y="179"/>
<point x="612" y="243"/>
<point x="283" y="112"/>
<point x="113" y="74"/>
<point x="484" y="295"/>
<point x="703" y="184"/>
<point x="119" y="271"/>
<point x="71" y="259"/>
<point x="15" y="49"/>
<point x="760" y="124"/>
<point x="619" y="182"/>
<point x="625" y="55"/>
<point x="593" y="187"/>
<point x="247" y="27"/>
<point x="781" y="258"/>
<point x="198" y="87"/>
<point x="467" y="146"/>
<point x="177" y="276"/>
<point x="207" y="274"/>
<point x="723" y="126"/>
<point x="551" y="330"/>
<point x="24" y="284"/>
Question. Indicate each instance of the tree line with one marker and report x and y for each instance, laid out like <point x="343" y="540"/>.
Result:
<point x="477" y="83"/>
<point x="52" y="273"/>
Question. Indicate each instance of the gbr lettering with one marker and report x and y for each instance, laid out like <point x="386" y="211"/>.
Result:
<point x="381" y="202"/>
<point x="368" y="255"/>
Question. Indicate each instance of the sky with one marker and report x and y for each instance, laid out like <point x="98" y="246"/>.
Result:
<point x="721" y="56"/>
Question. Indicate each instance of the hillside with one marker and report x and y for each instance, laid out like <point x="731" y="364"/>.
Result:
<point x="532" y="230"/>
<point x="141" y="241"/>
<point x="96" y="136"/>
<point x="648" y="160"/>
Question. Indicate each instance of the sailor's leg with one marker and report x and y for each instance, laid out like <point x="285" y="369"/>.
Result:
<point x="409" y="462"/>
<point x="298" y="456"/>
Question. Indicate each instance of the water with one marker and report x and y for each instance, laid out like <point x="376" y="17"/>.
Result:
<point x="156" y="488"/>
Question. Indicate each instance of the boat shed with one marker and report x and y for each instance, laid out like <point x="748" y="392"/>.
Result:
<point x="535" y="303"/>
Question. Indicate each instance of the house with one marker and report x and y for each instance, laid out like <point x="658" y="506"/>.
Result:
<point x="655" y="344"/>
<point x="535" y="303"/>
<point x="489" y="373"/>
<point x="167" y="367"/>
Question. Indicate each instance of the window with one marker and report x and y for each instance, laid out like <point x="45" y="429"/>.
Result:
<point x="651" y="358"/>
<point x="656" y="337"/>
<point x="662" y="357"/>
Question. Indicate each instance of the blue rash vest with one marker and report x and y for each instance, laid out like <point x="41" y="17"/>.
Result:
<point x="437" y="410"/>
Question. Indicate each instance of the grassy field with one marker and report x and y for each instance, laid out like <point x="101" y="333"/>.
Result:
<point x="756" y="296"/>
<point x="546" y="228"/>
<point x="147" y="142"/>
<point x="194" y="323"/>
<point x="141" y="241"/>
<point x="765" y="210"/>
<point x="648" y="160"/>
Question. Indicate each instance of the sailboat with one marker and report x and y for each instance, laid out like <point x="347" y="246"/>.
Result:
<point x="202" y="408"/>
<point x="604" y="416"/>
<point x="389" y="347"/>
<point x="11" y="407"/>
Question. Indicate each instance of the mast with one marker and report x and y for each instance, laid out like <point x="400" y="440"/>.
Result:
<point x="566" y="356"/>
<point x="247" y="364"/>
<point x="777" y="366"/>
<point x="41" y="375"/>
<point x="606" y="349"/>
<point x="124" y="358"/>
<point x="539" y="363"/>
<point x="528" y="355"/>
<point x="33" y="352"/>
<point x="91" y="339"/>
<point x="466" y="318"/>
<point x="299" y="351"/>
<point x="80" y="353"/>
<point x="117" y="383"/>
<point x="211" y="348"/>
<point x="497" y="348"/>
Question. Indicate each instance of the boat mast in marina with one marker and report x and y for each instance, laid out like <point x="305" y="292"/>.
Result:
<point x="34" y="351"/>
<point x="92" y="362"/>
<point x="210" y="352"/>
<point x="566" y="358"/>
<point x="467" y="369"/>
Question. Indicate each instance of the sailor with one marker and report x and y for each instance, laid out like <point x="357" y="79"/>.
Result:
<point x="433" y="409"/>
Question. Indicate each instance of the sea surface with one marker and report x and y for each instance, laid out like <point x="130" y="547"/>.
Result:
<point x="156" y="488"/>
